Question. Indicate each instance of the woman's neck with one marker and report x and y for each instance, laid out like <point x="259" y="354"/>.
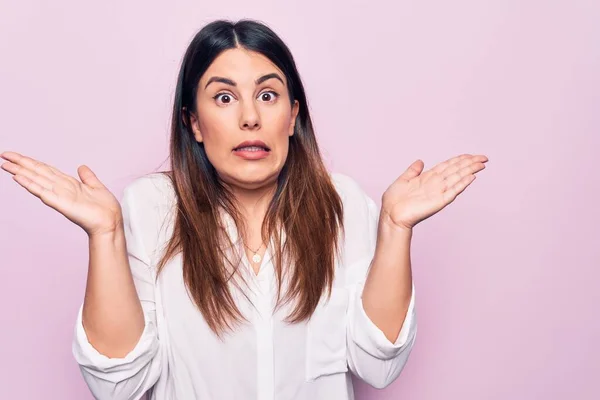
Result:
<point x="253" y="203"/>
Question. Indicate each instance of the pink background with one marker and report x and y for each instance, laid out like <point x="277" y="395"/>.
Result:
<point x="507" y="276"/>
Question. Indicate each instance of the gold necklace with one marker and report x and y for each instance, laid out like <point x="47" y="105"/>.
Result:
<point x="256" y="257"/>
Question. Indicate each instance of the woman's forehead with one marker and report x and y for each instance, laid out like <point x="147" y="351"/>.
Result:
<point x="241" y="66"/>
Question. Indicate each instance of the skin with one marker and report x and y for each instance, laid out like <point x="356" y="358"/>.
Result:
<point x="112" y="313"/>
<point x="413" y="197"/>
<point x="226" y="115"/>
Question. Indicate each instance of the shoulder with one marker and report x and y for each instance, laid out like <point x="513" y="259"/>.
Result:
<point x="148" y="204"/>
<point x="154" y="189"/>
<point x="351" y="192"/>
<point x="361" y="216"/>
<point x="360" y="210"/>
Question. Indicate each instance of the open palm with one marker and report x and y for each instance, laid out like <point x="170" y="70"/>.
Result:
<point x="87" y="203"/>
<point x="417" y="195"/>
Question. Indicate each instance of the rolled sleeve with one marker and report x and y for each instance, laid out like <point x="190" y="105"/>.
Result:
<point x="370" y="354"/>
<point x="128" y="377"/>
<point x="114" y="370"/>
<point x="372" y="339"/>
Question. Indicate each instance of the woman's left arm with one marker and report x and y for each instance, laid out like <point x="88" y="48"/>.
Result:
<point x="388" y="289"/>
<point x="383" y="323"/>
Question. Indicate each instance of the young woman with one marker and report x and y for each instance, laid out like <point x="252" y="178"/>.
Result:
<point x="247" y="271"/>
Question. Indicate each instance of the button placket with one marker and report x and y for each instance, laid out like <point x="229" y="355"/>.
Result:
<point x="264" y="332"/>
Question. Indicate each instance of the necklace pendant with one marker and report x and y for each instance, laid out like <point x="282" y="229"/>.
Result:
<point x="256" y="258"/>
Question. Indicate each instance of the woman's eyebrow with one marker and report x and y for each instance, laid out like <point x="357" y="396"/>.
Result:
<point x="220" y="79"/>
<point x="269" y="76"/>
<point x="229" y="82"/>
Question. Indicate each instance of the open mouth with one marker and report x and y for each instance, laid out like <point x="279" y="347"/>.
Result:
<point x="252" y="148"/>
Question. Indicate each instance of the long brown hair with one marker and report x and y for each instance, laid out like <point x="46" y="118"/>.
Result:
<point x="306" y="205"/>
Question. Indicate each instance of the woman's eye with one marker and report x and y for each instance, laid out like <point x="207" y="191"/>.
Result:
<point x="268" y="96"/>
<point x="224" y="98"/>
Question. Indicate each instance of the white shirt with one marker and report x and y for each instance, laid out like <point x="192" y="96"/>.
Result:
<point x="179" y="358"/>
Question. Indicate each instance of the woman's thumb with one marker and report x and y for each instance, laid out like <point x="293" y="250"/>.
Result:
<point x="88" y="177"/>
<point x="413" y="170"/>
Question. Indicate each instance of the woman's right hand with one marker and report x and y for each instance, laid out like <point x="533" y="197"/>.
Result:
<point x="88" y="203"/>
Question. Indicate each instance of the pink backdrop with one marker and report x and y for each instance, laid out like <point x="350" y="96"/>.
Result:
<point x="507" y="276"/>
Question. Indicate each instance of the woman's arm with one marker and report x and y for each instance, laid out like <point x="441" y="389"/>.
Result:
<point x="382" y="321"/>
<point x="112" y="313"/>
<point x="412" y="198"/>
<point x="388" y="288"/>
<point x="374" y="355"/>
<point x="116" y="340"/>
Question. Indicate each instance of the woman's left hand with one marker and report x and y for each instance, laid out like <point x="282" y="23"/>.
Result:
<point x="417" y="195"/>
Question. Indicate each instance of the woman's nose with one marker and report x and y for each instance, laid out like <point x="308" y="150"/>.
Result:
<point x="250" y="118"/>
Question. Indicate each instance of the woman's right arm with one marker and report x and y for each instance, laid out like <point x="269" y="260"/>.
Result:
<point x="116" y="341"/>
<point x="112" y="312"/>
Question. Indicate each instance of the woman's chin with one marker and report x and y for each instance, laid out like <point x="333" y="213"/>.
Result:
<point x="252" y="178"/>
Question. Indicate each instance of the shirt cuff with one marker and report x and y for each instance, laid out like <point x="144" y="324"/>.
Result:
<point x="114" y="369"/>
<point x="372" y="339"/>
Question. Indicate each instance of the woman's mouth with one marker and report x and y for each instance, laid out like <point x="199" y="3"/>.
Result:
<point x="252" y="150"/>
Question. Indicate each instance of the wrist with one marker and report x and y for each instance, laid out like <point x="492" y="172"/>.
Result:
<point x="110" y="227"/>
<point x="388" y="227"/>
<point x="114" y="234"/>
<point x="392" y="240"/>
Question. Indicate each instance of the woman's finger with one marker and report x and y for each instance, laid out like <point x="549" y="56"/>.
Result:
<point x="456" y="189"/>
<point x="39" y="167"/>
<point x="445" y="164"/>
<point x="89" y="178"/>
<point x="465" y="166"/>
<point x="31" y="176"/>
<point x="47" y="196"/>
<point x="412" y="171"/>
<point x="460" y="173"/>
<point x="30" y="164"/>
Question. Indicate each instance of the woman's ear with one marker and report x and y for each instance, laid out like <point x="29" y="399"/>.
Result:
<point x="295" y="110"/>
<point x="195" y="124"/>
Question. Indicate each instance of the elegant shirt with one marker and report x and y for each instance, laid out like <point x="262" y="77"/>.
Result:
<point x="179" y="357"/>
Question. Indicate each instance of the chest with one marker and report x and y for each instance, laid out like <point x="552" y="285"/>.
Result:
<point x="316" y="347"/>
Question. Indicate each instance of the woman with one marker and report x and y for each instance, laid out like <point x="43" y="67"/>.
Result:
<point x="247" y="271"/>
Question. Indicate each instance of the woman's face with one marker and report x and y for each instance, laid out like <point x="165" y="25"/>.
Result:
<point x="243" y="97"/>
